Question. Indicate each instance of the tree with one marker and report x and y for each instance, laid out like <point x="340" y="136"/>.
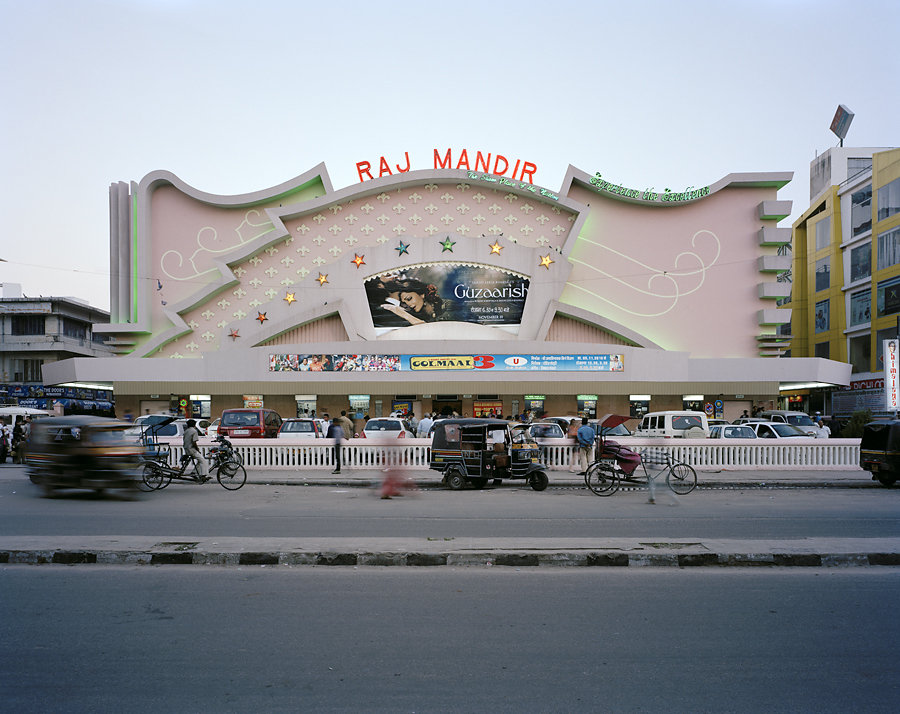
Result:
<point x="854" y="427"/>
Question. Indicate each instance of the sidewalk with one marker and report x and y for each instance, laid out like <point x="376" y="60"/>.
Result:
<point x="425" y="478"/>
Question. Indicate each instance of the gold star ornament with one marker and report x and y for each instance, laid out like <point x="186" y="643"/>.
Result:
<point x="358" y="260"/>
<point x="323" y="278"/>
<point x="546" y="260"/>
<point x="290" y="298"/>
<point x="496" y="248"/>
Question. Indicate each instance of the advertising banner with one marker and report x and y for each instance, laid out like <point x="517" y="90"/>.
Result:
<point x="442" y="363"/>
<point x="891" y="375"/>
<point x="446" y="292"/>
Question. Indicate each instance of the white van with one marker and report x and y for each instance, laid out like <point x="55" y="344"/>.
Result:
<point x="802" y="420"/>
<point x="14" y="415"/>
<point x="690" y="425"/>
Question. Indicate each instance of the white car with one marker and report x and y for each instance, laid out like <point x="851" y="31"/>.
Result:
<point x="301" y="429"/>
<point x="731" y="431"/>
<point x="541" y="430"/>
<point x="384" y="428"/>
<point x="778" y="430"/>
<point x="149" y="424"/>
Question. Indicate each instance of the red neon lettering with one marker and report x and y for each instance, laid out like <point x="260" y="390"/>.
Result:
<point x="383" y="168"/>
<point x="528" y="169"/>
<point x="362" y="167"/>
<point x="497" y="164"/>
<point x="485" y="163"/>
<point x="515" y="170"/>
<point x="445" y="164"/>
<point x="463" y="160"/>
<point x="403" y="171"/>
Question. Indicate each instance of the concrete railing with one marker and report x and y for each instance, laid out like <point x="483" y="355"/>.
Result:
<point x="557" y="453"/>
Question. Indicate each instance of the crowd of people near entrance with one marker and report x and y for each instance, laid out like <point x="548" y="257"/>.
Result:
<point x="14" y="440"/>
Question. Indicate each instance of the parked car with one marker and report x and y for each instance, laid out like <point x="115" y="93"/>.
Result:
<point x="300" y="429"/>
<point x="798" y="419"/>
<point x="213" y="428"/>
<point x="716" y="422"/>
<point x="164" y="425"/>
<point x="671" y="424"/>
<point x="250" y="423"/>
<point x="778" y="430"/>
<point x="386" y="428"/>
<point x="541" y="430"/>
<point x="82" y="452"/>
<point x="731" y="431"/>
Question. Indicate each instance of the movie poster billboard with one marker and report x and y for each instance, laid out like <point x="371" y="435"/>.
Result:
<point x="446" y="292"/>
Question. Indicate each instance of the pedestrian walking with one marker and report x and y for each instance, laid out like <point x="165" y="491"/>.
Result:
<point x="336" y="432"/>
<point x="346" y="424"/>
<point x="585" y="438"/>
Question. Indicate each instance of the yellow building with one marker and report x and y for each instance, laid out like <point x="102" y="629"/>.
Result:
<point x="846" y="273"/>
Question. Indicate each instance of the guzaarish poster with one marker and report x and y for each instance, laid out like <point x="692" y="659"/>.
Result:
<point x="446" y="293"/>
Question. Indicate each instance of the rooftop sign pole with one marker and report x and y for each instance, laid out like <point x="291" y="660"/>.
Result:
<point x="841" y="122"/>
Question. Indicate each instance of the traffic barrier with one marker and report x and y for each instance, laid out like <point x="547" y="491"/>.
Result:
<point x="557" y="453"/>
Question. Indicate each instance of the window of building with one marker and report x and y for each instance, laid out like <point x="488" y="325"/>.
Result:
<point x="27" y="324"/>
<point x="889" y="333"/>
<point x="74" y="329"/>
<point x="888" y="297"/>
<point x="861" y="262"/>
<point x="858" y="165"/>
<point x="889" y="199"/>
<point x="861" y="211"/>
<point x="823" y="315"/>
<point x="889" y="249"/>
<point x="32" y="370"/>
<point x="823" y="350"/>
<point x="823" y="273"/>
<point x="823" y="233"/>
<point x="861" y="353"/>
<point x="861" y="307"/>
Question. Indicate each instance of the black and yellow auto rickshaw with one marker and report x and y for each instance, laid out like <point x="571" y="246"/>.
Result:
<point x="879" y="450"/>
<point x="474" y="451"/>
<point x="82" y="452"/>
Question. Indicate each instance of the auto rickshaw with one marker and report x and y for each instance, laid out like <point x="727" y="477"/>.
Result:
<point x="473" y="451"/>
<point x="82" y="452"/>
<point x="879" y="450"/>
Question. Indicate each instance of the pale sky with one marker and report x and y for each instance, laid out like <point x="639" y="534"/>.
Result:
<point x="235" y="97"/>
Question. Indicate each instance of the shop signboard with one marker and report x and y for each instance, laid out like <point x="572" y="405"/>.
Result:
<point x="444" y="363"/>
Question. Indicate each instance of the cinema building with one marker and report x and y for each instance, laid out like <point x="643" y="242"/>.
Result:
<point x="463" y="286"/>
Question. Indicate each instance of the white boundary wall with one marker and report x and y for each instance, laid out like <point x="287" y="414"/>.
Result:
<point x="559" y="454"/>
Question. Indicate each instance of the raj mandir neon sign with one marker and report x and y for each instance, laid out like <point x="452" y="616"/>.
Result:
<point x="521" y="171"/>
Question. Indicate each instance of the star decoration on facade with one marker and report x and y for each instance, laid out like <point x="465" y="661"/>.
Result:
<point x="546" y="261"/>
<point x="290" y="298"/>
<point x="358" y="260"/>
<point x="496" y="248"/>
<point x="233" y="335"/>
<point x="261" y="316"/>
<point x="323" y="278"/>
<point x="447" y="244"/>
<point x="402" y="248"/>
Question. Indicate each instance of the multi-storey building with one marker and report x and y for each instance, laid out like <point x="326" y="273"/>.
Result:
<point x="846" y="273"/>
<point x="35" y="331"/>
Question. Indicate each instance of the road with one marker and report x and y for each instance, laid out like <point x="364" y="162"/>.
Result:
<point x="236" y="639"/>
<point x="507" y="512"/>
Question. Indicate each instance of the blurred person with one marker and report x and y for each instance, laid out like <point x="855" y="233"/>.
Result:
<point x="824" y="430"/>
<point x="336" y="432"/>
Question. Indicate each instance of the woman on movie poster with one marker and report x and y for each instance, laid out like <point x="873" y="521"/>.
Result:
<point x="460" y="293"/>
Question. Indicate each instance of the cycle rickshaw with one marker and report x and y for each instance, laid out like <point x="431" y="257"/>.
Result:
<point x="615" y="463"/>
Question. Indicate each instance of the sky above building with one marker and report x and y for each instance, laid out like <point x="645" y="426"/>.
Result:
<point x="235" y="97"/>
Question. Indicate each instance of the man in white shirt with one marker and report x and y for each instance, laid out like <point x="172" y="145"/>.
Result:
<point x="425" y="424"/>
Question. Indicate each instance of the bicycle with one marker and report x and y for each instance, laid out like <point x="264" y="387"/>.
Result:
<point x="230" y="474"/>
<point x="617" y="463"/>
